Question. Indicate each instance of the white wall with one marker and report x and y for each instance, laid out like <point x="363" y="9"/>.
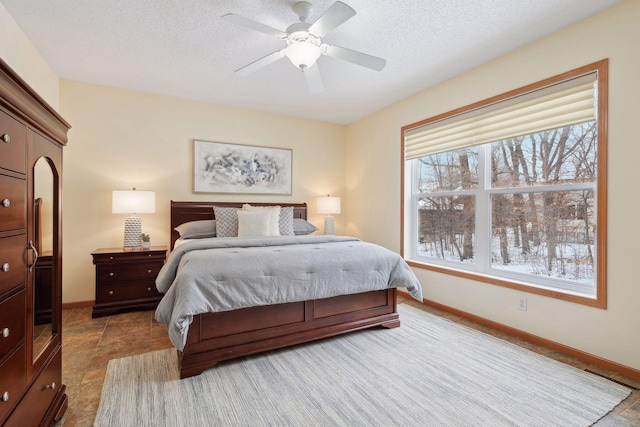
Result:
<point x="122" y="139"/>
<point x="19" y="53"/>
<point x="373" y="183"/>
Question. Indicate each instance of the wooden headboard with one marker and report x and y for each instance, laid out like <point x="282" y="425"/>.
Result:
<point x="182" y="212"/>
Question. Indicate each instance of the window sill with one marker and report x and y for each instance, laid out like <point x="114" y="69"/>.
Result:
<point x="599" y="302"/>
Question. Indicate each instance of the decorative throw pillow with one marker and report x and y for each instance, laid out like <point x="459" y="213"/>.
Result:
<point x="226" y="221"/>
<point x="254" y="224"/>
<point x="301" y="227"/>
<point x="286" y="221"/>
<point x="197" y="229"/>
<point x="274" y="216"/>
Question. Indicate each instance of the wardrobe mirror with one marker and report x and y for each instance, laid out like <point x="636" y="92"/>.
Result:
<point x="43" y="274"/>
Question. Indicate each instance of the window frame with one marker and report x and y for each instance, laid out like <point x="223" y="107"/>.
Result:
<point x="407" y="200"/>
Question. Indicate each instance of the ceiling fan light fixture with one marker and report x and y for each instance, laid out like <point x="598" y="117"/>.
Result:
<point x="303" y="54"/>
<point x="304" y="42"/>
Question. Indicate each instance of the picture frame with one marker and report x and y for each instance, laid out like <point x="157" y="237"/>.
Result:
<point x="221" y="167"/>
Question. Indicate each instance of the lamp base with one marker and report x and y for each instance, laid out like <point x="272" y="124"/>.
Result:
<point x="328" y="224"/>
<point x="132" y="231"/>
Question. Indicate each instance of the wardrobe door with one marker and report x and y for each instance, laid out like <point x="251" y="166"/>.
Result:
<point x="44" y="280"/>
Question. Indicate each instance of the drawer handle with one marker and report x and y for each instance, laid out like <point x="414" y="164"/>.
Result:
<point x="5" y="332"/>
<point x="149" y="288"/>
<point x="51" y="386"/>
<point x="35" y="255"/>
<point x="6" y="138"/>
<point x="6" y="203"/>
<point x="149" y="271"/>
<point x="6" y="267"/>
<point x="110" y="274"/>
<point x="5" y="396"/>
<point x="110" y="292"/>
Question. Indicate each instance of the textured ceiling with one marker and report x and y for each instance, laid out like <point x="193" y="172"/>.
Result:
<point x="183" y="48"/>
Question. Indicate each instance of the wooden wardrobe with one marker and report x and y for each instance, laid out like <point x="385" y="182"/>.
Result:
<point x="32" y="135"/>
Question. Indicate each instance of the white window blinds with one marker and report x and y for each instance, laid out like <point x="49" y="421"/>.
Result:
<point x="563" y="104"/>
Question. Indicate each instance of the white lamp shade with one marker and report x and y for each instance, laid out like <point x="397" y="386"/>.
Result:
<point x="329" y="205"/>
<point x="302" y="54"/>
<point x="133" y="201"/>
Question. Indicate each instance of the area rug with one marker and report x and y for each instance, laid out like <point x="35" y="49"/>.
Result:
<point x="428" y="372"/>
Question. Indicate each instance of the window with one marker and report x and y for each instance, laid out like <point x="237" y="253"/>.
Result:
<point x="512" y="190"/>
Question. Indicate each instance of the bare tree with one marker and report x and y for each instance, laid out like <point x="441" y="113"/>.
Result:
<point x="500" y="212"/>
<point x="553" y="152"/>
<point x="468" y="207"/>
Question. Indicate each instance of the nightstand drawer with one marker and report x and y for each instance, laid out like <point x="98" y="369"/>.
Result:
<point x="117" y="293"/>
<point x="13" y="380"/>
<point x="13" y="267"/>
<point x="13" y="136"/>
<point x="108" y="256"/>
<point x="13" y="311"/>
<point x="117" y="273"/>
<point x="13" y="207"/>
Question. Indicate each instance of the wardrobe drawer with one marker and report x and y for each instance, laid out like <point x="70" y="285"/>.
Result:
<point x="34" y="405"/>
<point x="13" y="311"/>
<point x="13" y="212"/>
<point x="13" y="136"/>
<point x="13" y="380"/>
<point x="13" y="265"/>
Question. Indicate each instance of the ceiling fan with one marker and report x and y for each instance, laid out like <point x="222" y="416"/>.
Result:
<point x="304" y="42"/>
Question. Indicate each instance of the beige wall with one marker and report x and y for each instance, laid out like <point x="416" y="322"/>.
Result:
<point x="122" y="139"/>
<point x="373" y="183"/>
<point x="19" y="53"/>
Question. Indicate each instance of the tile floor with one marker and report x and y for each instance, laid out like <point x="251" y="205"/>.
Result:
<point x="89" y="344"/>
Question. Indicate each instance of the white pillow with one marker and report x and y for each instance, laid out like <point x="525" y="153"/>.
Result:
<point x="253" y="224"/>
<point x="274" y="216"/>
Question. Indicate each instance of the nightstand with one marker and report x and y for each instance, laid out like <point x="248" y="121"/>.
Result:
<point x="125" y="279"/>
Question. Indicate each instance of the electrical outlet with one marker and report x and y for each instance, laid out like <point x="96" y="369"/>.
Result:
<point x="522" y="303"/>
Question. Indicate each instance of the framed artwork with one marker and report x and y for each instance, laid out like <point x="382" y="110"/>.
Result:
<point x="232" y="168"/>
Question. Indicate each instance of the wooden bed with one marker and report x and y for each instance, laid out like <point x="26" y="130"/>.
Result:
<point x="214" y="337"/>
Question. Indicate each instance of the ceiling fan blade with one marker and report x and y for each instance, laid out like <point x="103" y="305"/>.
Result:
<point x="335" y="16"/>
<point x="354" y="57"/>
<point x="314" y="81"/>
<point x="253" y="25"/>
<point x="260" y="63"/>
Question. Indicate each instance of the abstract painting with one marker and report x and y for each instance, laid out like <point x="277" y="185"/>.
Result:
<point x="233" y="168"/>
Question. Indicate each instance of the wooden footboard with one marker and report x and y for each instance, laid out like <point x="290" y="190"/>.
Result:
<point x="214" y="337"/>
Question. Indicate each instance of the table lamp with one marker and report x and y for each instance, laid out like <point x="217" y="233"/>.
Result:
<point x="328" y="205"/>
<point x="133" y="202"/>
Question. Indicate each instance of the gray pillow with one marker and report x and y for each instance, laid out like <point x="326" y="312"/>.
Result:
<point x="286" y="221"/>
<point x="197" y="229"/>
<point x="301" y="227"/>
<point x="226" y="221"/>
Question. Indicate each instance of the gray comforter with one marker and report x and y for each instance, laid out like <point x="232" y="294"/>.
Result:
<point x="221" y="274"/>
